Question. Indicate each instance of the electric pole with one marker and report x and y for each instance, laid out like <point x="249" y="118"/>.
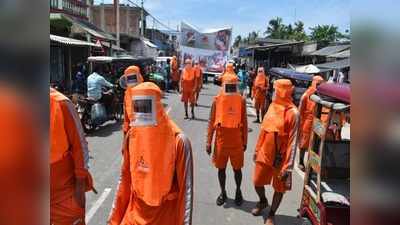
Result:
<point x="142" y="18"/>
<point x="116" y="5"/>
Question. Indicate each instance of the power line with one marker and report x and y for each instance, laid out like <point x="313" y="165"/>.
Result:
<point x="154" y="18"/>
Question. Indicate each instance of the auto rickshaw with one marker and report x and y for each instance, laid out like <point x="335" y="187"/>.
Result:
<point x="326" y="192"/>
<point x="301" y="82"/>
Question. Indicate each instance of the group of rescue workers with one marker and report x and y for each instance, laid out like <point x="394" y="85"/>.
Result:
<point x="156" y="181"/>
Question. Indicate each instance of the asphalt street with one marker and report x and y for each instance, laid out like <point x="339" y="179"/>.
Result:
<point x="105" y="152"/>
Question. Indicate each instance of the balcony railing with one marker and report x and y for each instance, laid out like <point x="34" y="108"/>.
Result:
<point x="72" y="7"/>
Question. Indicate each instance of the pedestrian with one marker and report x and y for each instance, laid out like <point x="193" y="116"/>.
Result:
<point x="80" y="80"/>
<point x="228" y="119"/>
<point x="228" y="71"/>
<point x="275" y="149"/>
<point x="260" y="88"/>
<point x="243" y="76"/>
<point x="175" y="73"/>
<point x="188" y="87"/>
<point x="306" y="109"/>
<point x="167" y="70"/>
<point x="199" y="77"/>
<point x="131" y="78"/>
<point x="156" y="182"/>
<point x="250" y="81"/>
<point x="69" y="163"/>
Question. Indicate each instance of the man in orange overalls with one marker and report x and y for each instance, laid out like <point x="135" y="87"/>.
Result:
<point x="259" y="92"/>
<point x="156" y="183"/>
<point x="199" y="76"/>
<point x="229" y="70"/>
<point x="306" y="109"/>
<point x="229" y="119"/>
<point x="275" y="149"/>
<point x="188" y="87"/>
<point x="175" y="73"/>
<point x="69" y="158"/>
<point x="129" y="80"/>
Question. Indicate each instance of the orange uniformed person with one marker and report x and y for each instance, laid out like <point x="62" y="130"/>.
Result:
<point x="259" y="92"/>
<point x="306" y="109"/>
<point x="275" y="149"/>
<point x="228" y="119"/>
<point x="229" y="70"/>
<point x="199" y="76"/>
<point x="69" y="157"/>
<point x="156" y="183"/>
<point x="188" y="87"/>
<point x="175" y="73"/>
<point x="130" y="79"/>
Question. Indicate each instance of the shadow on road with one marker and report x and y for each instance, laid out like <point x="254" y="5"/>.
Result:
<point x="204" y="106"/>
<point x="199" y="119"/>
<point x="247" y="206"/>
<point x="106" y="130"/>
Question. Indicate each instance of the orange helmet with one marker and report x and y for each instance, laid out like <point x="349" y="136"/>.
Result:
<point x="131" y="77"/>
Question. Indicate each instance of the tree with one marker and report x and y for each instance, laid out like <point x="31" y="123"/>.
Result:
<point x="276" y="29"/>
<point x="237" y="41"/>
<point x="325" y="33"/>
<point x="299" y="33"/>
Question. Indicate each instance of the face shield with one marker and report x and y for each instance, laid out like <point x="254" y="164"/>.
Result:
<point x="144" y="110"/>
<point x="126" y="81"/>
<point x="230" y="89"/>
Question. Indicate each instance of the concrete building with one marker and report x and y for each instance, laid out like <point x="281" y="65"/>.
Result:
<point x="131" y="40"/>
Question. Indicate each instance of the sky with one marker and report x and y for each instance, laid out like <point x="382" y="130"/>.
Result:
<point x="249" y="15"/>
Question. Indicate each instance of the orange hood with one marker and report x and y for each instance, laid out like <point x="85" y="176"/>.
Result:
<point x="152" y="148"/>
<point x="281" y="101"/>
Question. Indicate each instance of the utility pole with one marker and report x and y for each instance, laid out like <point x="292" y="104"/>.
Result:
<point x="142" y="18"/>
<point x="116" y="5"/>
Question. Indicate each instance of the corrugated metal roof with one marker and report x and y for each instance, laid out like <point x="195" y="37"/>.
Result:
<point x="330" y="50"/>
<point x="343" y="54"/>
<point x="335" y="65"/>
<point x="71" y="41"/>
<point x="115" y="47"/>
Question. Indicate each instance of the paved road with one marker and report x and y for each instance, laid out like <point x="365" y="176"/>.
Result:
<point x="105" y="147"/>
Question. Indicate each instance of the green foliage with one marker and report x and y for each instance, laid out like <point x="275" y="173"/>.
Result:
<point x="325" y="33"/>
<point x="60" y="27"/>
<point x="276" y="29"/>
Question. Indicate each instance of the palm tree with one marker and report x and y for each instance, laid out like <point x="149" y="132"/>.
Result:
<point x="325" y="33"/>
<point x="237" y="41"/>
<point x="276" y="29"/>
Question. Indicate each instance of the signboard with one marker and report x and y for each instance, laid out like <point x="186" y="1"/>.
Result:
<point x="209" y="47"/>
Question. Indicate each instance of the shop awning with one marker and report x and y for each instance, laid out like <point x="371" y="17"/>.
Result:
<point x="114" y="47"/>
<point x="83" y="25"/>
<point x="148" y="43"/>
<point x="343" y="54"/>
<point x="71" y="41"/>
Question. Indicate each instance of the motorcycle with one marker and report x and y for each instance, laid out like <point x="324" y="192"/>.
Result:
<point x="93" y="113"/>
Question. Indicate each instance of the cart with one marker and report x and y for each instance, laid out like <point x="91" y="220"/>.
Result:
<point x="326" y="192"/>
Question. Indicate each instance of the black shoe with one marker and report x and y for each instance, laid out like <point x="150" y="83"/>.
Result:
<point x="239" y="198"/>
<point x="256" y="121"/>
<point x="186" y="117"/>
<point x="193" y="117"/>
<point x="221" y="199"/>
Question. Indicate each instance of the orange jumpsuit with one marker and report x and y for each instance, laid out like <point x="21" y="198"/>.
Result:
<point x="278" y="135"/>
<point x="228" y="71"/>
<point x="128" y="117"/>
<point x="23" y="182"/>
<point x="156" y="183"/>
<point x="199" y="76"/>
<point x="306" y="109"/>
<point x="174" y="69"/>
<point x="260" y="87"/>
<point x="188" y="85"/>
<point x="69" y="158"/>
<point x="228" y="119"/>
